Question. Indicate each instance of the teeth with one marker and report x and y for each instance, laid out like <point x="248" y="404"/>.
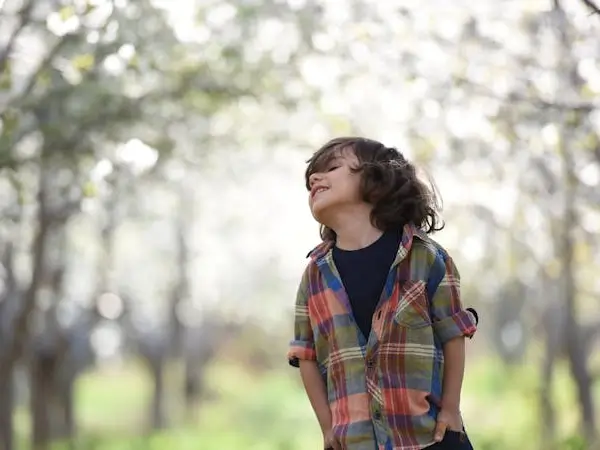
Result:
<point x="320" y="190"/>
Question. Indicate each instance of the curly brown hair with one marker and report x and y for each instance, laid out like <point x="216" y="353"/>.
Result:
<point x="388" y="182"/>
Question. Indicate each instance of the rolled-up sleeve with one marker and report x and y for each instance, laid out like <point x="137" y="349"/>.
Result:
<point x="450" y="319"/>
<point x="302" y="347"/>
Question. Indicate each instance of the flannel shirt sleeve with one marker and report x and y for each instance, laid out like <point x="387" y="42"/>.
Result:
<point x="302" y="347"/>
<point x="450" y="319"/>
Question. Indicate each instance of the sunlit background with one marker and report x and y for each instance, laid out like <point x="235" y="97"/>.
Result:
<point x="154" y="221"/>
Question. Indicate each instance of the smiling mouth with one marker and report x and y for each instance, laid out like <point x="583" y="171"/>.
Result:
<point x="318" y="190"/>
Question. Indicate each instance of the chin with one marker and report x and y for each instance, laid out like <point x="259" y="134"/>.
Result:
<point x="319" y="212"/>
<point x="316" y="211"/>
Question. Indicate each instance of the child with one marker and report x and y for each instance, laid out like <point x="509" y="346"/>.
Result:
<point x="379" y="325"/>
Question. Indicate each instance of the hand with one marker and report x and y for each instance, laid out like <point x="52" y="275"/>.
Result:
<point x="331" y="442"/>
<point x="447" y="420"/>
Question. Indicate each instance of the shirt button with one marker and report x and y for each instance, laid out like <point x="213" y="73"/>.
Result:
<point x="370" y="363"/>
<point x="377" y="415"/>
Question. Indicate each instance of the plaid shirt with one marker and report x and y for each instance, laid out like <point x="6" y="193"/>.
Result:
<point x="385" y="389"/>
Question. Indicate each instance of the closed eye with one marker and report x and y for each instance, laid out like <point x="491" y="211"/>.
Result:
<point x="331" y="169"/>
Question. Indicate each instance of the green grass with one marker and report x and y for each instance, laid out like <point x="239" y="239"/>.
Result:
<point x="247" y="412"/>
<point x="269" y="411"/>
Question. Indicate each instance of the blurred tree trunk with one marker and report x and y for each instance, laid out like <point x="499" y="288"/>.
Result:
<point x="6" y="413"/>
<point x="192" y="385"/>
<point x="571" y="121"/>
<point x="68" y="396"/>
<point x="195" y="382"/>
<point x="576" y="352"/>
<point x="51" y="402"/>
<point x="153" y="348"/>
<point x="159" y="420"/>
<point x="41" y="370"/>
<point x="8" y="298"/>
<point x="49" y="373"/>
<point x="181" y="291"/>
<point x="182" y="294"/>
<point x="552" y="333"/>
<point x="18" y="335"/>
<point x="53" y="376"/>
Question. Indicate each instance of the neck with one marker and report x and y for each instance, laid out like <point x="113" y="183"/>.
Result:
<point x="355" y="230"/>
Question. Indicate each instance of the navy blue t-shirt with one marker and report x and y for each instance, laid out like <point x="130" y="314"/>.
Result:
<point x="363" y="273"/>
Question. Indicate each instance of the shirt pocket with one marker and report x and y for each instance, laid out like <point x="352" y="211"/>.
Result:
<point x="413" y="309"/>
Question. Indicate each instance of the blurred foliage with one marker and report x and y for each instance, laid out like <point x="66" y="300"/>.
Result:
<point x="269" y="411"/>
<point x="147" y="159"/>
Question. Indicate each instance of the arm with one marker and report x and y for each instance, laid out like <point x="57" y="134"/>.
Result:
<point x="302" y="354"/>
<point x="451" y="324"/>
<point x="454" y="368"/>
<point x="317" y="393"/>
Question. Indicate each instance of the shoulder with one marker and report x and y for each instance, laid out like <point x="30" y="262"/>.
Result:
<point x="433" y="259"/>
<point x="428" y="250"/>
<point x="320" y="250"/>
<point x="311" y="270"/>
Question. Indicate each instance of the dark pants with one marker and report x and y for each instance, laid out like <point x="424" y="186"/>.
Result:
<point x="453" y="440"/>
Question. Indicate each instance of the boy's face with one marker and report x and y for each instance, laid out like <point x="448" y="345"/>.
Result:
<point x="335" y="187"/>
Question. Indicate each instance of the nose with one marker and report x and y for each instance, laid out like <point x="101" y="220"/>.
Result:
<point x="313" y="179"/>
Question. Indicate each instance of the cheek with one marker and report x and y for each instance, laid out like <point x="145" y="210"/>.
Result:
<point x="353" y="186"/>
<point x="310" y="200"/>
